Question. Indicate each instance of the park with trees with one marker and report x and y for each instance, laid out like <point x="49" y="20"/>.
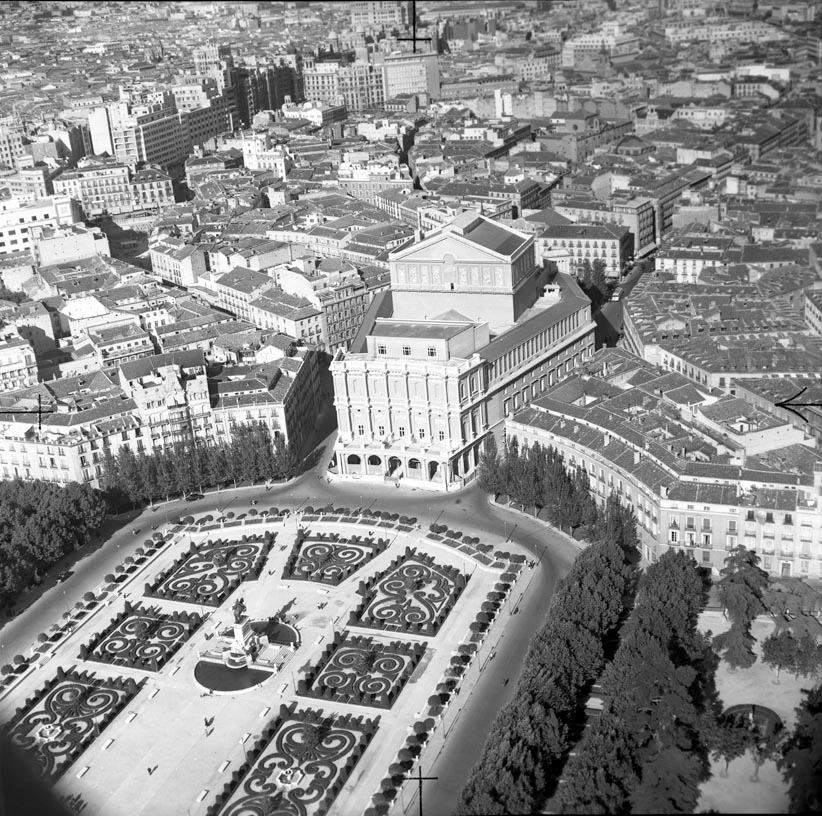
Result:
<point x="40" y="523"/>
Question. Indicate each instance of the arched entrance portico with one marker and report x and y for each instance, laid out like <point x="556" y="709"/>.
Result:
<point x="394" y="466"/>
<point x="414" y="470"/>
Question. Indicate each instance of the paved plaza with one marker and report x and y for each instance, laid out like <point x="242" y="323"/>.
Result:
<point x="174" y="746"/>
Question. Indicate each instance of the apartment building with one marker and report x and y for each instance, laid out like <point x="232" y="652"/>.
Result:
<point x="237" y="289"/>
<point x="638" y="215"/>
<point x="178" y="262"/>
<point x="18" y="220"/>
<point x="112" y="187"/>
<point x="337" y="290"/>
<point x="289" y="314"/>
<point x="357" y="86"/>
<point x="149" y="404"/>
<point x="588" y="242"/>
<point x="18" y="365"/>
<point x="703" y="474"/>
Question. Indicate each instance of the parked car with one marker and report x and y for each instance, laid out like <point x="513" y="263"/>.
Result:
<point x="64" y="575"/>
<point x="194" y="496"/>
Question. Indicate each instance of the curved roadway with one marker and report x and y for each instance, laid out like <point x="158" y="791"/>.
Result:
<point x="468" y="510"/>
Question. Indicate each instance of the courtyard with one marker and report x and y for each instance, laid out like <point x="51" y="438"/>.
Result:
<point x="361" y="618"/>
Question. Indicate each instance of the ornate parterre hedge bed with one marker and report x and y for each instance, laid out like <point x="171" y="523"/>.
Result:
<point x="329" y="558"/>
<point x="360" y="671"/>
<point x="209" y="572"/>
<point x="142" y="638"/>
<point x="413" y="595"/>
<point x="66" y="715"/>
<point x="298" y="766"/>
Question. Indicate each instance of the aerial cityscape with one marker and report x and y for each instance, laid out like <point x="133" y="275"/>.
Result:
<point x="410" y="407"/>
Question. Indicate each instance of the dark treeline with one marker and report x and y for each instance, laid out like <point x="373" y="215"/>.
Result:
<point x="192" y="465"/>
<point x="648" y="752"/>
<point x="531" y="735"/>
<point x="801" y="761"/>
<point x="40" y="522"/>
<point x="536" y="478"/>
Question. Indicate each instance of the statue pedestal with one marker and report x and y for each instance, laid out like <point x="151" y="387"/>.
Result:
<point x="242" y="633"/>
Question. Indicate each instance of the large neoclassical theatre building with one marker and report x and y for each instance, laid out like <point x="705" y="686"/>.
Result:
<point x="467" y="334"/>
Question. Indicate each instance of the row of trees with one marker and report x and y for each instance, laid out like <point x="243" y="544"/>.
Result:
<point x="40" y="522"/>
<point x="801" y="760"/>
<point x="536" y="478"/>
<point x="648" y="752"/>
<point x="530" y="736"/>
<point x="190" y="465"/>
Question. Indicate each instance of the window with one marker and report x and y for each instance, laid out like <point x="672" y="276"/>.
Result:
<point x="732" y="526"/>
<point x="706" y="540"/>
<point x="689" y="522"/>
<point x="381" y="430"/>
<point x="406" y="350"/>
<point x="749" y="516"/>
<point x="706" y="524"/>
<point x="768" y="518"/>
<point x="360" y="430"/>
<point x="401" y="430"/>
<point x="674" y="536"/>
<point x="432" y="351"/>
<point x="731" y="542"/>
<point x="706" y="557"/>
<point x="441" y="435"/>
<point x="421" y="433"/>
<point x="381" y="349"/>
<point x="788" y="518"/>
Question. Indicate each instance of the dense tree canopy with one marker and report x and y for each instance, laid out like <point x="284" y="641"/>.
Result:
<point x="250" y="456"/>
<point x="801" y="761"/>
<point x="529" y="738"/>
<point x="536" y="477"/>
<point x="649" y="748"/>
<point x="40" y="522"/>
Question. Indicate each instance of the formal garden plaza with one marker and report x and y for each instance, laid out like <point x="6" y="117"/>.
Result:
<point x="274" y="659"/>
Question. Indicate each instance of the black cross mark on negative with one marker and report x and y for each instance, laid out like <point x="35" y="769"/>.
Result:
<point x="414" y="39"/>
<point x="40" y="411"/>
<point x="420" y="778"/>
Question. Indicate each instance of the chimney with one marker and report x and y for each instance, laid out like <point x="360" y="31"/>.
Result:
<point x="606" y="439"/>
<point x="663" y="490"/>
<point x="637" y="457"/>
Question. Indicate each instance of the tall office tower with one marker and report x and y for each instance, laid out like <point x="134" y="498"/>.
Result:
<point x="145" y="127"/>
<point x="411" y="74"/>
<point x="380" y="14"/>
<point x="209" y="57"/>
<point x="11" y="143"/>
<point x="470" y="339"/>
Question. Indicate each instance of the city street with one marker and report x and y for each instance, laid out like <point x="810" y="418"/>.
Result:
<point x="468" y="510"/>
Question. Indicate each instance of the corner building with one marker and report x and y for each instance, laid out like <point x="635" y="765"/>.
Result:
<point x="467" y="335"/>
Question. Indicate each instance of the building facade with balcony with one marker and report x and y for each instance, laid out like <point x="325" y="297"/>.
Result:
<point x="148" y="405"/>
<point x="703" y="473"/>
